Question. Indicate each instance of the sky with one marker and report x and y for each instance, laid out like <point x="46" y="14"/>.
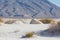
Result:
<point x="57" y="2"/>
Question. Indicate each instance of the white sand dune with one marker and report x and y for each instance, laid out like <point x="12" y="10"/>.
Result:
<point x="7" y="31"/>
<point x="20" y="28"/>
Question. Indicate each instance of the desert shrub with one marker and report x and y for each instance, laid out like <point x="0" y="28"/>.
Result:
<point x="46" y="21"/>
<point x="58" y="25"/>
<point x="1" y="20"/>
<point x="29" y="34"/>
<point x="54" y="27"/>
<point x="10" y="22"/>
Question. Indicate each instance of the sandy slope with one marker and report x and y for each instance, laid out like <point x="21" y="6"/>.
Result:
<point x="19" y="28"/>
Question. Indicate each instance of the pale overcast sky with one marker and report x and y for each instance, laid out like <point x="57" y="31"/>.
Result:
<point x="57" y="2"/>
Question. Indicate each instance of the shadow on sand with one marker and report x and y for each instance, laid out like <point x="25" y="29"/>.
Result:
<point x="46" y="33"/>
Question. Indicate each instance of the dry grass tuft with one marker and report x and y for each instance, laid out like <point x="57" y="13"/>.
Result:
<point x="1" y="20"/>
<point x="10" y="21"/>
<point x="46" y="21"/>
<point x="28" y="35"/>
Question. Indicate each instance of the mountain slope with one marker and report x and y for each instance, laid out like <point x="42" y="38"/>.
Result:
<point x="28" y="9"/>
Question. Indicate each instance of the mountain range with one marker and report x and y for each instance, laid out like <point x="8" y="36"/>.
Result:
<point x="28" y="9"/>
